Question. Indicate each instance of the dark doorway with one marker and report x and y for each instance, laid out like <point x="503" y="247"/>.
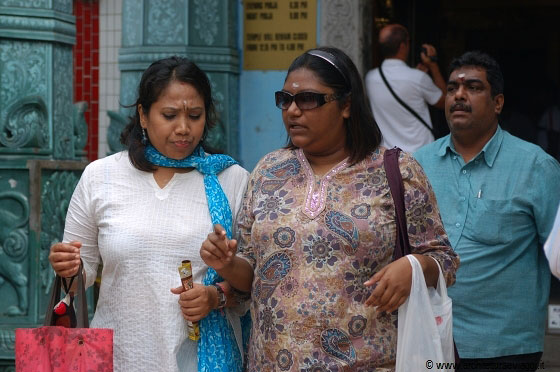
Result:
<point x="523" y="36"/>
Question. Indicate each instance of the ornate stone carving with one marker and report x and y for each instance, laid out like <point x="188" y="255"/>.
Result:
<point x="63" y="30"/>
<point x="80" y="127"/>
<point x="206" y="20"/>
<point x="218" y="94"/>
<point x="23" y="73"/>
<point x="220" y="59"/>
<point x="7" y="340"/>
<point x="55" y="198"/>
<point x="25" y="3"/>
<point x="211" y="42"/>
<point x="13" y="247"/>
<point x="64" y="6"/>
<point x="232" y="24"/>
<point x="26" y="124"/>
<point x="342" y="27"/>
<point x="165" y="22"/>
<point x="129" y="87"/>
<point x="132" y="22"/>
<point x="217" y="136"/>
<point x="62" y="107"/>
<point x="117" y="123"/>
<point x="337" y="18"/>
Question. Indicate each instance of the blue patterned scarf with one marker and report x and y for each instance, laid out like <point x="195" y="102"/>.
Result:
<point x="217" y="347"/>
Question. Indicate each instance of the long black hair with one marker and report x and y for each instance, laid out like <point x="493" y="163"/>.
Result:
<point x="153" y="82"/>
<point x="337" y="71"/>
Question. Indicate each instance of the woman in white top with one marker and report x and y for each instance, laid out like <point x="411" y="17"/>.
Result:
<point x="144" y="210"/>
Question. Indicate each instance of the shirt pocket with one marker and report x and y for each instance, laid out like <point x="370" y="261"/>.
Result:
<point x="490" y="221"/>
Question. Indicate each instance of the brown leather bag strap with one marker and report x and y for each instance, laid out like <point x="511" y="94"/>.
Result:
<point x="394" y="178"/>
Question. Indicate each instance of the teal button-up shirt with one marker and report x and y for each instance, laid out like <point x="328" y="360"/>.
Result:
<point x="498" y="210"/>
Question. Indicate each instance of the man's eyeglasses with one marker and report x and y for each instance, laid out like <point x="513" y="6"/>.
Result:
<point x="304" y="100"/>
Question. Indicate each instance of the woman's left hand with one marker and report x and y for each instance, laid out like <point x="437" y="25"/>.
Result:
<point x="392" y="286"/>
<point x="197" y="302"/>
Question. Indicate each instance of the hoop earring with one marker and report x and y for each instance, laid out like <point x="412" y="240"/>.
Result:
<point x="144" y="137"/>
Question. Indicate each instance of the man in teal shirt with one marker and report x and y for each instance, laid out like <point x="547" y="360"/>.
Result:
<point x="498" y="196"/>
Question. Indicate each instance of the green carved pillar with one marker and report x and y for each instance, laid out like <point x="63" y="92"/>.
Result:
<point x="202" y="30"/>
<point x="42" y="136"/>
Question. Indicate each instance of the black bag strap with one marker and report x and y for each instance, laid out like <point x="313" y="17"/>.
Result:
<point x="394" y="178"/>
<point x="81" y="309"/>
<point x="404" y="104"/>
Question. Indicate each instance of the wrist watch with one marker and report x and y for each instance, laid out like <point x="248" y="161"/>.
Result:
<point x="222" y="299"/>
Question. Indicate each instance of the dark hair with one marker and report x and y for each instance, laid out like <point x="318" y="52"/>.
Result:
<point x="362" y="133"/>
<point x="389" y="46"/>
<point x="480" y="59"/>
<point x="153" y="82"/>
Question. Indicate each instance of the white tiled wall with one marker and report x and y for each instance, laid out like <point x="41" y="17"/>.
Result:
<point x="110" y="15"/>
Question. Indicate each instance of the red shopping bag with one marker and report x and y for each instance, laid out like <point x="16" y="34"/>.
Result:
<point x="60" y="349"/>
<point x="53" y="349"/>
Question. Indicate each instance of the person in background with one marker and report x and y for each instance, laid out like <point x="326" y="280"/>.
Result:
<point x="317" y="231"/>
<point x="497" y="195"/>
<point x="144" y="210"/>
<point x="413" y="86"/>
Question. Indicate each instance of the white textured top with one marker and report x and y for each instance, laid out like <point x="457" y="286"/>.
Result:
<point x="142" y="233"/>
<point x="398" y="126"/>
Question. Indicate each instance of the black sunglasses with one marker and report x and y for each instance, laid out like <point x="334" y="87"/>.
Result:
<point x="304" y="100"/>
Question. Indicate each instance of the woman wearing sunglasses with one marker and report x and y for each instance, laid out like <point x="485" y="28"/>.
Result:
<point x="317" y="231"/>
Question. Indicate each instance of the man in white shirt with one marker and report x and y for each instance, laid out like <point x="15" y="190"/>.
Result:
<point x="412" y="85"/>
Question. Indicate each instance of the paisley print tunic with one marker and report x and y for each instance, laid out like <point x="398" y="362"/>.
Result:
<point x="313" y="242"/>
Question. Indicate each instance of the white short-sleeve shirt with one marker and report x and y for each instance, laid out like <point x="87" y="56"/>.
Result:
<point x="416" y="88"/>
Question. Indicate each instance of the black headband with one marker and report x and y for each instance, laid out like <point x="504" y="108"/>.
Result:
<point x="328" y="57"/>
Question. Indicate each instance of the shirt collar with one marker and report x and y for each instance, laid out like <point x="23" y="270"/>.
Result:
<point x="445" y="145"/>
<point x="393" y="62"/>
<point x="488" y="152"/>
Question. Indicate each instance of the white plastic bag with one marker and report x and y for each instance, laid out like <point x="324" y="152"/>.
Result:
<point x="425" y="326"/>
<point x="552" y="247"/>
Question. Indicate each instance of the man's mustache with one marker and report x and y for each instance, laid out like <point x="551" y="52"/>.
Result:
<point x="460" y="106"/>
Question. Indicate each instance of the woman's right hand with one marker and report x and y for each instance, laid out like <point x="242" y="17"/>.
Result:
<point x="392" y="286"/>
<point x="65" y="258"/>
<point x="217" y="251"/>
